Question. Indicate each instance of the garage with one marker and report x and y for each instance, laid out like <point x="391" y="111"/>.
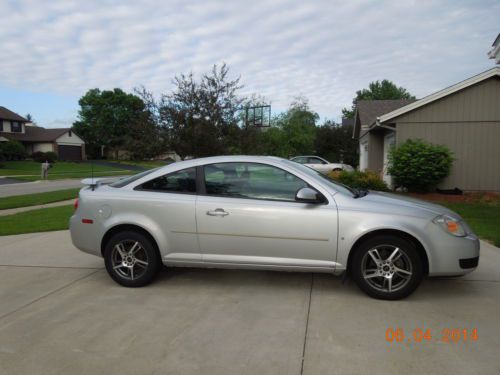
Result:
<point x="70" y="152"/>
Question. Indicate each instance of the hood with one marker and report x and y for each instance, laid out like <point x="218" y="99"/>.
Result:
<point x="403" y="201"/>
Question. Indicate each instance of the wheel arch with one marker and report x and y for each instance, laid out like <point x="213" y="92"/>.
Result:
<point x="394" y="232"/>
<point x="127" y="227"/>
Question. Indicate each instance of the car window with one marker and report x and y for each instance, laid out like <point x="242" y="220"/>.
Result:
<point x="127" y="180"/>
<point x="251" y="180"/>
<point x="183" y="181"/>
<point x="315" y="161"/>
<point x="300" y="159"/>
<point x="334" y="184"/>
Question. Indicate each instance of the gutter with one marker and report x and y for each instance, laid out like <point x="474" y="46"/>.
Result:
<point x="378" y="124"/>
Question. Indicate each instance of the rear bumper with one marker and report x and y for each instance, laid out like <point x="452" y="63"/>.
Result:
<point x="85" y="237"/>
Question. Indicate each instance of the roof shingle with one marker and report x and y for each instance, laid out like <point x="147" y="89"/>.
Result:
<point x="36" y="134"/>
<point x="369" y="110"/>
<point x="7" y="114"/>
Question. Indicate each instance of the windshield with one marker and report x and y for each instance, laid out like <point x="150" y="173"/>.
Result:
<point x="127" y="180"/>
<point x="334" y="184"/>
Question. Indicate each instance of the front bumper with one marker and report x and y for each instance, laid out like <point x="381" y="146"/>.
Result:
<point x="452" y="255"/>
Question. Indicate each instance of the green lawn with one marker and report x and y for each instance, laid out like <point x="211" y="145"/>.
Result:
<point x="148" y="164"/>
<point x="38" y="198"/>
<point x="483" y="218"/>
<point x="61" y="169"/>
<point x="42" y="220"/>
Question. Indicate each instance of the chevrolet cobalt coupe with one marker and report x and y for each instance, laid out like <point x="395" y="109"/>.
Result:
<point x="272" y="214"/>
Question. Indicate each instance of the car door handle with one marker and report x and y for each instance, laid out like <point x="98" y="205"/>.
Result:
<point x="217" y="212"/>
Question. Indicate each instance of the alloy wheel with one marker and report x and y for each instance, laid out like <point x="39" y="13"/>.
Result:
<point x="129" y="259"/>
<point x="386" y="268"/>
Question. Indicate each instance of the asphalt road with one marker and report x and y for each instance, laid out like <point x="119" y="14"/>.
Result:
<point x="60" y="313"/>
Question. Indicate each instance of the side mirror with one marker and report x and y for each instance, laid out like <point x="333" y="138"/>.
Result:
<point x="308" y="195"/>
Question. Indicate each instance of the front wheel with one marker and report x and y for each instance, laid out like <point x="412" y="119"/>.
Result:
<point x="131" y="259"/>
<point x="387" y="267"/>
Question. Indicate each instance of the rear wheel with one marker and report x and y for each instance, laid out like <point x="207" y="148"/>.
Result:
<point x="131" y="259"/>
<point x="387" y="267"/>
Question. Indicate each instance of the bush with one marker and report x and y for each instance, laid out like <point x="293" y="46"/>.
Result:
<point x="41" y="157"/>
<point x="360" y="180"/>
<point x="12" y="150"/>
<point x="419" y="166"/>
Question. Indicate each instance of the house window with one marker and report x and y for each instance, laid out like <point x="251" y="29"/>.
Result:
<point x="69" y="133"/>
<point x="16" y="127"/>
<point x="1" y="125"/>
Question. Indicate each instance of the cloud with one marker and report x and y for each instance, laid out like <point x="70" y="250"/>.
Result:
<point x="324" y="50"/>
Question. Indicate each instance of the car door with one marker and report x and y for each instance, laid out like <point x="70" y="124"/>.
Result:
<point x="170" y="201"/>
<point x="249" y="216"/>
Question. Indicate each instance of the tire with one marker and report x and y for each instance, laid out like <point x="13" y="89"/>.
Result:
<point x="138" y="256"/>
<point x="390" y="278"/>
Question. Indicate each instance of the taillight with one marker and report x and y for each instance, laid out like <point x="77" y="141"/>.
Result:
<point x="76" y="204"/>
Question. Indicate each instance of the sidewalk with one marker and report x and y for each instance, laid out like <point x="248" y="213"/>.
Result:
<point x="12" y="211"/>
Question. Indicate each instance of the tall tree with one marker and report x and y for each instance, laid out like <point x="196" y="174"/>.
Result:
<point x="377" y="90"/>
<point x="202" y="116"/>
<point x="334" y="142"/>
<point x="109" y="119"/>
<point x="292" y="132"/>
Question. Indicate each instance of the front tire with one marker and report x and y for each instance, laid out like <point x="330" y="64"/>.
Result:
<point x="387" y="267"/>
<point x="131" y="259"/>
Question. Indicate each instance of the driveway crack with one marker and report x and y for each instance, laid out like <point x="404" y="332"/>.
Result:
<point x="307" y="325"/>
<point x="48" y="294"/>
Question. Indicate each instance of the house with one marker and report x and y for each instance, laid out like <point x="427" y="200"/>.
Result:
<point x="495" y="50"/>
<point x="464" y="117"/>
<point x="63" y="141"/>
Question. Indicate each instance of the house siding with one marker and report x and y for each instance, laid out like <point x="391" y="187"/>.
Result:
<point x="467" y="122"/>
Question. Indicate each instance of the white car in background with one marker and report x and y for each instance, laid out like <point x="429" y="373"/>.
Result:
<point x="321" y="165"/>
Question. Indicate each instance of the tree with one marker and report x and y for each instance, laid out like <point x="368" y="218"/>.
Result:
<point x="334" y="142"/>
<point x="110" y="119"/>
<point x="30" y="119"/>
<point x="291" y="133"/>
<point x="201" y="117"/>
<point x="377" y="90"/>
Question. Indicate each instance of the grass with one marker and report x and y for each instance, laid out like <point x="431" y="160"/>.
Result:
<point x="30" y="170"/>
<point x="482" y="217"/>
<point x="148" y="164"/>
<point x="38" y="198"/>
<point x="42" y="220"/>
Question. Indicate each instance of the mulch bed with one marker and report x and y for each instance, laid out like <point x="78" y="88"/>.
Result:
<point x="485" y="197"/>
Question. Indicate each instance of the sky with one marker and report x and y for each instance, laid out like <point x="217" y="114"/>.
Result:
<point x="324" y="50"/>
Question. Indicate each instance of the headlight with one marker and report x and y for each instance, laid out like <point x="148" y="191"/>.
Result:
<point x="451" y="225"/>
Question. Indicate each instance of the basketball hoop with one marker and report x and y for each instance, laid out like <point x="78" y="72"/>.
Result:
<point x="258" y="116"/>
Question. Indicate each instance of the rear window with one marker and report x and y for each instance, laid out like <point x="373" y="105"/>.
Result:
<point x="127" y="180"/>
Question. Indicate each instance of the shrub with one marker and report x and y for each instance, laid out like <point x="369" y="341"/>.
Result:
<point x="360" y="180"/>
<point x="51" y="156"/>
<point x="419" y="166"/>
<point x="12" y="150"/>
<point x="41" y="157"/>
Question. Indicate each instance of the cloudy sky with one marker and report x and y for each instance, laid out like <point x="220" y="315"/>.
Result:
<point x="53" y="51"/>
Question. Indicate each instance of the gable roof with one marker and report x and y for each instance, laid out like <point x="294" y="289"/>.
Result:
<point x="37" y="134"/>
<point x="7" y="114"/>
<point x="369" y="110"/>
<point x="440" y="94"/>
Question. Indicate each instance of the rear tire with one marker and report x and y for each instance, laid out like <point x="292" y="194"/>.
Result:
<point x="387" y="267"/>
<point x="131" y="259"/>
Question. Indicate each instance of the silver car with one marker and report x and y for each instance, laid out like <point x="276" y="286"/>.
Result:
<point x="267" y="213"/>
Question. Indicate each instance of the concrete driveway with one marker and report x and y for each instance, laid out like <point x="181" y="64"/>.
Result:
<point x="61" y="314"/>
